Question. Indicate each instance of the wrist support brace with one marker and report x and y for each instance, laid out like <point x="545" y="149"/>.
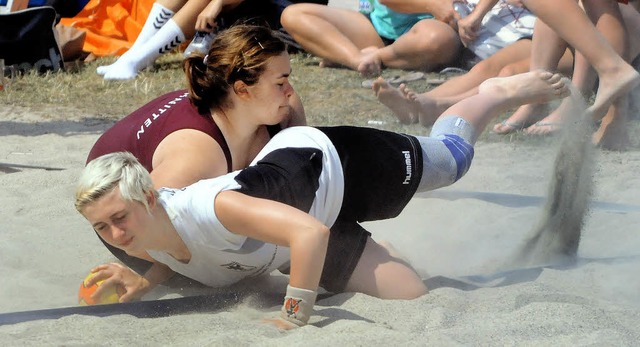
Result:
<point x="298" y="305"/>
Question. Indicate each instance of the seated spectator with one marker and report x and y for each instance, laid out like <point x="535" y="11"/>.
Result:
<point x="172" y="22"/>
<point x="615" y="76"/>
<point x="615" y="21"/>
<point x="396" y="34"/>
<point x="410" y="107"/>
<point x="490" y="25"/>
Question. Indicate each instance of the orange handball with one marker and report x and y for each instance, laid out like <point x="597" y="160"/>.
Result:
<point x="111" y="296"/>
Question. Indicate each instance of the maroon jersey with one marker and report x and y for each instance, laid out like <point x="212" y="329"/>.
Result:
<point x="142" y="131"/>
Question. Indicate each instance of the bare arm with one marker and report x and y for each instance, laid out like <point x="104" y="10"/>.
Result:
<point x="280" y="224"/>
<point x="206" y="20"/>
<point x="185" y="157"/>
<point x="468" y="26"/>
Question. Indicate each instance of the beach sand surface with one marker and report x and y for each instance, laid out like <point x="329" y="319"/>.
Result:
<point x="458" y="245"/>
<point x="48" y="248"/>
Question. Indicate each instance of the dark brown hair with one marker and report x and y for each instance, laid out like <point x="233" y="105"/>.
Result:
<point x="239" y="53"/>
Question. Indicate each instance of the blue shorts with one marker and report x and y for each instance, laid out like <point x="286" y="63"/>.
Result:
<point x="390" y="24"/>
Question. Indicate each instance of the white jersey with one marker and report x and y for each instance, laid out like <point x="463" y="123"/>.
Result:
<point x="220" y="257"/>
<point x="328" y="201"/>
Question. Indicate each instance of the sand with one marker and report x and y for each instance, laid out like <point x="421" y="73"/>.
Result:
<point x="46" y="249"/>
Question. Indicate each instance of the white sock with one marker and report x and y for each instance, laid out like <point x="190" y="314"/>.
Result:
<point x="165" y="40"/>
<point x="158" y="17"/>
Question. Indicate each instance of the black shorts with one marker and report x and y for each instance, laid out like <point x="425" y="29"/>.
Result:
<point x="382" y="171"/>
<point x="346" y="244"/>
<point x="259" y="12"/>
<point x="385" y="41"/>
<point x="290" y="176"/>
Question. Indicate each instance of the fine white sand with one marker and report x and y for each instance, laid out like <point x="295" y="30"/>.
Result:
<point x="46" y="249"/>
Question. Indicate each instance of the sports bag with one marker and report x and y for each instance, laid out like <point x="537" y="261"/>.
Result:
<point x="28" y="40"/>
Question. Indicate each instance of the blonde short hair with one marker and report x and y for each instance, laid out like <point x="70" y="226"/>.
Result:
<point x="102" y="175"/>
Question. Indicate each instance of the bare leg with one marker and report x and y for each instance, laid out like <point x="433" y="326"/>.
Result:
<point x="497" y="95"/>
<point x="608" y="18"/>
<point x="187" y="16"/>
<point x="379" y="271"/>
<point x="546" y="52"/>
<point x="616" y="76"/>
<point x="613" y="134"/>
<point x="297" y="114"/>
<point x="429" y="44"/>
<point x="408" y="106"/>
<point x="336" y="35"/>
<point x="485" y="69"/>
<point x="584" y="78"/>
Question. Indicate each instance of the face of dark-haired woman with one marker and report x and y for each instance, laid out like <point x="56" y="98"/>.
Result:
<point x="272" y="94"/>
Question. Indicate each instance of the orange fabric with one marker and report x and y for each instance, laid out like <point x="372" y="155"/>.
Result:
<point x="111" y="25"/>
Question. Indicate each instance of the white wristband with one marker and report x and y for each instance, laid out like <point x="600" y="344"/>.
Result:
<point x="298" y="305"/>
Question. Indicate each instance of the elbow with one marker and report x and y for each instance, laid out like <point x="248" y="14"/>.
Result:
<point x="322" y="233"/>
<point x="312" y="241"/>
<point x="318" y="236"/>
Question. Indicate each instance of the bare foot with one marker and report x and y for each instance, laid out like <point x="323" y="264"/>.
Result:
<point x="613" y="85"/>
<point x="553" y="122"/>
<point x="405" y="109"/>
<point x="523" y="117"/>
<point x="612" y="137"/>
<point x="328" y="63"/>
<point x="408" y="106"/>
<point x="429" y="108"/>
<point x="613" y="133"/>
<point x="531" y="87"/>
<point x="370" y="64"/>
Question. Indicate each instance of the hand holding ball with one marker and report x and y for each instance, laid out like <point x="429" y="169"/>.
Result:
<point x="111" y="295"/>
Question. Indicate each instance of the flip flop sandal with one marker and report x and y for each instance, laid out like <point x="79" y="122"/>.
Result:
<point x="453" y="71"/>
<point x="446" y="74"/>
<point x="396" y="80"/>
<point x="512" y="127"/>
<point x="410" y="77"/>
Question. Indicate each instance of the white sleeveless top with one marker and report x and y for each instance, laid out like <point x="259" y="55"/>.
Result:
<point x="220" y="257"/>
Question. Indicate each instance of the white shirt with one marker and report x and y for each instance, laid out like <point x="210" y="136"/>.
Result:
<point x="220" y="257"/>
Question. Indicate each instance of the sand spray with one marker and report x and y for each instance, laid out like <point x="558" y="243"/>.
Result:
<point x="555" y="238"/>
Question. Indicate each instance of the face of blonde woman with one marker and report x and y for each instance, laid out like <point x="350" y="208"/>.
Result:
<point x="272" y="93"/>
<point x="119" y="222"/>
